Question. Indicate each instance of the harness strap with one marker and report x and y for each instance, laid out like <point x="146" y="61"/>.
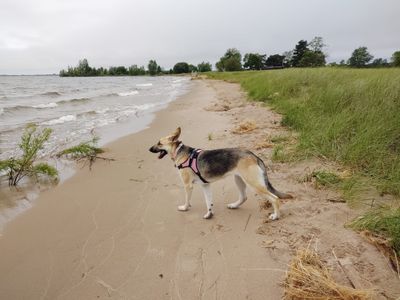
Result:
<point x="192" y="162"/>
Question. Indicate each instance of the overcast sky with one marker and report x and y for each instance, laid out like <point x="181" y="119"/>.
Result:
<point x="44" y="36"/>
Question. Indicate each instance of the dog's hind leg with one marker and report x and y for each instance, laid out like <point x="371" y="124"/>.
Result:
<point x="255" y="177"/>
<point x="188" y="196"/>
<point x="208" y="197"/>
<point x="242" y="192"/>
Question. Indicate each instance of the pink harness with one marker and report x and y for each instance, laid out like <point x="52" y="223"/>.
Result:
<point x="191" y="162"/>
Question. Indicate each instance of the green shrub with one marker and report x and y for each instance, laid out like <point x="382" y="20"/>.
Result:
<point x="31" y="143"/>
<point x="86" y="151"/>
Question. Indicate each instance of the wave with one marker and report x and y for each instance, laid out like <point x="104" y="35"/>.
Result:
<point x="74" y="101"/>
<point x="130" y="93"/>
<point x="1" y="111"/>
<point x="52" y="94"/>
<point x="46" y="105"/>
<point x="143" y="84"/>
<point x="102" y="111"/>
<point x="11" y="109"/>
<point x="61" y="120"/>
<point x="178" y="80"/>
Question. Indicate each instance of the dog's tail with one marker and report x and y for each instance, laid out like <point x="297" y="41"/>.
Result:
<point x="270" y="188"/>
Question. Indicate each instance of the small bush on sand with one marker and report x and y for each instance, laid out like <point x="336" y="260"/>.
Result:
<point x="86" y="151"/>
<point x="31" y="143"/>
<point x="309" y="278"/>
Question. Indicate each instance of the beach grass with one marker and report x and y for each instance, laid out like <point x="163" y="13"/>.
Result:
<point x="383" y="222"/>
<point x="351" y="116"/>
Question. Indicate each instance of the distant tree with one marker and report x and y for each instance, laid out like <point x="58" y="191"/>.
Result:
<point x="83" y="67"/>
<point x="231" y="61"/>
<point x="317" y="44"/>
<point x="312" y="59"/>
<point x="101" y="71"/>
<point x="254" y="61"/>
<point x="275" y="60"/>
<point x="396" y="59"/>
<point x="181" y="67"/>
<point x="287" y="61"/>
<point x="342" y="63"/>
<point x="134" y="70"/>
<point x="360" y="57"/>
<point x="153" y="67"/>
<point x="204" y="67"/>
<point x="118" y="71"/>
<point x="192" y="68"/>
<point x="298" y="52"/>
<point x="379" y="63"/>
<point x="159" y="70"/>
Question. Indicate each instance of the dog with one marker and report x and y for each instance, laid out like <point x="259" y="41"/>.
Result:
<point x="207" y="166"/>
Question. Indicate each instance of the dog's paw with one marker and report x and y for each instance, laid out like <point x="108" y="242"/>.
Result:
<point x="273" y="216"/>
<point x="232" y="206"/>
<point x="208" y="215"/>
<point x="183" y="207"/>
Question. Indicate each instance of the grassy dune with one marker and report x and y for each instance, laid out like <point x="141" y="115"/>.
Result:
<point x="348" y="115"/>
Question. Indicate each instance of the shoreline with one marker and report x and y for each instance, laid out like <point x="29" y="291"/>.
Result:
<point x="18" y="201"/>
<point x="115" y="232"/>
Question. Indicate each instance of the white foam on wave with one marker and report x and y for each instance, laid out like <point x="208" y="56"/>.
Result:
<point x="130" y="93"/>
<point x="178" y="80"/>
<point x="1" y="111"/>
<point x="102" y="111"/>
<point x="63" y="119"/>
<point x="46" y="105"/>
<point x="144" y="84"/>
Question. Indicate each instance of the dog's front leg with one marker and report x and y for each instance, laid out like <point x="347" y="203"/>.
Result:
<point x="208" y="198"/>
<point x="188" y="196"/>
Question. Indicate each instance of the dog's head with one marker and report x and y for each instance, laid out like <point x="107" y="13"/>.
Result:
<point x="165" y="144"/>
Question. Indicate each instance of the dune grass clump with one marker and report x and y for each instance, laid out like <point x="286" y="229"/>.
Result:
<point x="325" y="178"/>
<point x="347" y="115"/>
<point x="88" y="152"/>
<point x="309" y="278"/>
<point x="245" y="127"/>
<point x="17" y="168"/>
<point x="381" y="226"/>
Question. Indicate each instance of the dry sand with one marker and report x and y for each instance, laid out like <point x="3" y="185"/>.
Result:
<point x="115" y="232"/>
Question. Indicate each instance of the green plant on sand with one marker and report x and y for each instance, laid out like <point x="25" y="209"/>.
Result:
<point x="85" y="151"/>
<point x="31" y="143"/>
<point x="382" y="227"/>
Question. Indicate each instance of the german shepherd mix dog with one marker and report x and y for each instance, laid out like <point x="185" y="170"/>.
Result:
<point x="205" y="167"/>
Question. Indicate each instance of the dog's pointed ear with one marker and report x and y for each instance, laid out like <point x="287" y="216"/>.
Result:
<point x="175" y="135"/>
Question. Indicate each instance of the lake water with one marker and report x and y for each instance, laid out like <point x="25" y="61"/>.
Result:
<point x="74" y="107"/>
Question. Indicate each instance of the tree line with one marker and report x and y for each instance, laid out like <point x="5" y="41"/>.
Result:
<point x="305" y="54"/>
<point x="84" y="69"/>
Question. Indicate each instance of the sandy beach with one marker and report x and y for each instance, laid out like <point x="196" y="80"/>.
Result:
<point x="115" y="232"/>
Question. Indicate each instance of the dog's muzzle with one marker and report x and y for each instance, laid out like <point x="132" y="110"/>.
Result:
<point x="157" y="150"/>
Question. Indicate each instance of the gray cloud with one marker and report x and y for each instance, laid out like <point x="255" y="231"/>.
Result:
<point x="47" y="35"/>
